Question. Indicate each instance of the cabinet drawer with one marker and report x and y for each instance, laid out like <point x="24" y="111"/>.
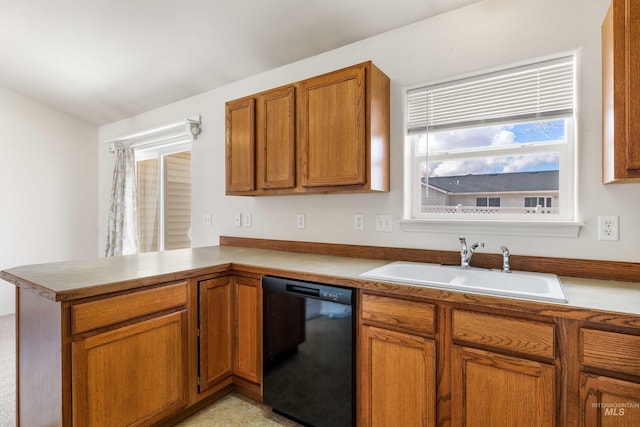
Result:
<point x="110" y="311"/>
<point x="610" y="350"/>
<point x="398" y="313"/>
<point x="521" y="336"/>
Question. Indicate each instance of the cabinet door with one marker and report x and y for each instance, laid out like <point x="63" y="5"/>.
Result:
<point x="247" y="361"/>
<point x="134" y="375"/>
<point x="240" y="145"/>
<point x="215" y="331"/>
<point x="276" y="133"/>
<point x="490" y="389"/>
<point x="607" y="402"/>
<point x="397" y="378"/>
<point x="332" y="128"/>
<point x="620" y="85"/>
<point x="632" y="57"/>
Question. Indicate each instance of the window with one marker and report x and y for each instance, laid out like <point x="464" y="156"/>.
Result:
<point x="543" y="202"/>
<point x="162" y="205"/>
<point x="485" y="147"/>
<point x="488" y="201"/>
<point x="164" y="198"/>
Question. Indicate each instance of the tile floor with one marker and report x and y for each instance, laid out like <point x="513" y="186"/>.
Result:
<point x="235" y="410"/>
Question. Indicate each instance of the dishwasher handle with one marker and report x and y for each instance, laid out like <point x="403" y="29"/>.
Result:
<point x="303" y="290"/>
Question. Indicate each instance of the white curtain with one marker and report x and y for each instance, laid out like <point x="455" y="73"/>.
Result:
<point x="122" y="237"/>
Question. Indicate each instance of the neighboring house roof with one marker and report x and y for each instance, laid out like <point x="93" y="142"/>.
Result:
<point x="497" y="183"/>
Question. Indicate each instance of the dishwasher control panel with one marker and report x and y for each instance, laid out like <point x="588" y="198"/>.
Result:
<point x="308" y="289"/>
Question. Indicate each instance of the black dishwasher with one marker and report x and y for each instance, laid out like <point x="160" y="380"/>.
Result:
<point x="308" y="339"/>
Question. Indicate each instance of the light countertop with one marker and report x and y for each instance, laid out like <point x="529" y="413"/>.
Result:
<point x="64" y="281"/>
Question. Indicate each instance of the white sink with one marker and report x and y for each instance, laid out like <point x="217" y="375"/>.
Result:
<point x="517" y="284"/>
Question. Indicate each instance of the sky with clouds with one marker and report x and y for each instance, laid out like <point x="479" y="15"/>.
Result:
<point x="493" y="136"/>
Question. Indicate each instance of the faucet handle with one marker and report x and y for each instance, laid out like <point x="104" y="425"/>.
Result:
<point x="505" y="259"/>
<point x="475" y="246"/>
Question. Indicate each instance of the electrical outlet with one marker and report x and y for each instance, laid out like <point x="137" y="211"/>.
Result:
<point x="300" y="221"/>
<point x="246" y="220"/>
<point x="384" y="223"/>
<point x="608" y="228"/>
<point x="358" y="222"/>
<point x="237" y="220"/>
<point x="206" y="220"/>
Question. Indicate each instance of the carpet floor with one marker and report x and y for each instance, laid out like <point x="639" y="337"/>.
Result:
<point x="8" y="371"/>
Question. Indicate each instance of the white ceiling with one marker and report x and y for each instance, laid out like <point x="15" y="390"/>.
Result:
<point x="105" y="60"/>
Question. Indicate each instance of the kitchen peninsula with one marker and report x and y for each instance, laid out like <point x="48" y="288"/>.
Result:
<point x="182" y="328"/>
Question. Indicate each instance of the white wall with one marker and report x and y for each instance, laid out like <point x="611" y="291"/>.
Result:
<point x="48" y="187"/>
<point x="485" y="35"/>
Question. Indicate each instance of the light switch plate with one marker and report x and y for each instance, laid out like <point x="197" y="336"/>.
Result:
<point x="246" y="220"/>
<point x="237" y="220"/>
<point x="300" y="221"/>
<point x="384" y="223"/>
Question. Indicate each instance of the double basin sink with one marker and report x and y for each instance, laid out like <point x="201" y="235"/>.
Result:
<point x="516" y="284"/>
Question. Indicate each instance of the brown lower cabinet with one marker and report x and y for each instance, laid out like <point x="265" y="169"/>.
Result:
<point x="247" y="360"/>
<point x="215" y="331"/>
<point x="496" y="376"/>
<point x="145" y="357"/>
<point x="606" y="400"/>
<point x="134" y="358"/>
<point x="129" y="357"/>
<point x="609" y="402"/>
<point x="491" y="389"/>
<point x="397" y="362"/>
<point x="135" y="374"/>
<point x="230" y="334"/>
<point x="398" y="379"/>
<point x="428" y="364"/>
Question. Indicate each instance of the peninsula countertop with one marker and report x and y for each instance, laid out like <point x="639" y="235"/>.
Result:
<point x="70" y="280"/>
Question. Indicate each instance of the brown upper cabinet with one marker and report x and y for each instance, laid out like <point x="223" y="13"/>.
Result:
<point x="325" y="134"/>
<point x="620" y="82"/>
<point x="343" y="130"/>
<point x="276" y="139"/>
<point x="240" y="146"/>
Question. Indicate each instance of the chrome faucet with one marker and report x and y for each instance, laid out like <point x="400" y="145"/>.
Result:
<point x="505" y="259"/>
<point x="467" y="252"/>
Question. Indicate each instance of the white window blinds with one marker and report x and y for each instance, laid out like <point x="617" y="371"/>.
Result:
<point x="544" y="90"/>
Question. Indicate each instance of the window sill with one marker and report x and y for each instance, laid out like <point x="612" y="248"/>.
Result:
<point x="505" y="228"/>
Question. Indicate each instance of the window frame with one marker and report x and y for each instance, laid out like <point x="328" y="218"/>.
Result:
<point x="567" y="176"/>
<point x="566" y="184"/>
<point x="160" y="153"/>
<point x="546" y="204"/>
